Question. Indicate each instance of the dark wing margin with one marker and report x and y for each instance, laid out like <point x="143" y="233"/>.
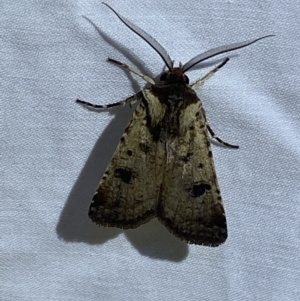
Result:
<point x="128" y="191"/>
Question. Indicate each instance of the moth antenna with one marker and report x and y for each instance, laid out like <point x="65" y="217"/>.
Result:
<point x="146" y="37"/>
<point x="218" y="50"/>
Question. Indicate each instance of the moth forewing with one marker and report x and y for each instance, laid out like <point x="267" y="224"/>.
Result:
<point x="163" y="165"/>
<point x="191" y="206"/>
<point x="127" y="194"/>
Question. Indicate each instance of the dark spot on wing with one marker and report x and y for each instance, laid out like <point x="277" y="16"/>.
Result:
<point x="124" y="174"/>
<point x="187" y="158"/>
<point x="144" y="147"/>
<point x="200" y="165"/>
<point x="99" y="199"/>
<point x="219" y="221"/>
<point x="210" y="154"/>
<point x="129" y="152"/>
<point x="199" y="189"/>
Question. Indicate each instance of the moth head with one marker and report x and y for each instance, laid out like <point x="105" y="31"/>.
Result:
<point x="175" y="75"/>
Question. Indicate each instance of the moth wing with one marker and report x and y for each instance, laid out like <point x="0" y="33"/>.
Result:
<point x="190" y="204"/>
<point x="128" y="192"/>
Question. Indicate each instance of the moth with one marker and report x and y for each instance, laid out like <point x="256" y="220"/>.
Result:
<point x="163" y="166"/>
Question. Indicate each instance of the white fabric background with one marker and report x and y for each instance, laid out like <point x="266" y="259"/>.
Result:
<point x="54" y="151"/>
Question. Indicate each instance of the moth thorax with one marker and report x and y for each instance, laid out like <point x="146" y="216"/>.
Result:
<point x="175" y="75"/>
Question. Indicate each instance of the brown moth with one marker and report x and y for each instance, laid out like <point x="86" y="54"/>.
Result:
<point x="163" y="166"/>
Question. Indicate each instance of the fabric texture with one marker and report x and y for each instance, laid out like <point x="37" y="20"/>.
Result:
<point x="53" y="151"/>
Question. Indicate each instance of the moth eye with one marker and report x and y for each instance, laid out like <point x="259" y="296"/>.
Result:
<point x="164" y="77"/>
<point x="186" y="79"/>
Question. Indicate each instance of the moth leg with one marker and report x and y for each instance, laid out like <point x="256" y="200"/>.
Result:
<point x="135" y="71"/>
<point x="197" y="84"/>
<point x="213" y="136"/>
<point x="130" y="100"/>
